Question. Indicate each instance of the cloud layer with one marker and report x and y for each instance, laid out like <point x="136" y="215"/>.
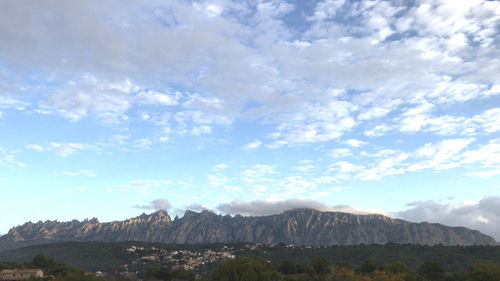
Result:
<point x="157" y="204"/>
<point x="209" y="101"/>
<point x="321" y="80"/>
<point x="268" y="207"/>
<point x="483" y="215"/>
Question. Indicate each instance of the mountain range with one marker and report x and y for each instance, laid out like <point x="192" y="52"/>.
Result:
<point x="298" y="227"/>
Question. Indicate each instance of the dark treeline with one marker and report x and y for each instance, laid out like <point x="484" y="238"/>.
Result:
<point x="108" y="257"/>
<point x="255" y="269"/>
<point x="453" y="258"/>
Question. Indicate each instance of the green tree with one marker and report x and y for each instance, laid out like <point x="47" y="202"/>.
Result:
<point x="287" y="267"/>
<point x="368" y="266"/>
<point x="485" y="272"/>
<point x="244" y="269"/>
<point x="321" y="265"/>
<point x="164" y="274"/>
<point x="401" y="268"/>
<point x="432" y="271"/>
<point x="345" y="264"/>
<point x="42" y="262"/>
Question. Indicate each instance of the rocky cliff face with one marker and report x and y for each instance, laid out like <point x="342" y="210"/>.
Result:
<point x="303" y="227"/>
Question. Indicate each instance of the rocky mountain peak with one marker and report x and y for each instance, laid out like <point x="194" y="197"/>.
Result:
<point x="190" y="213"/>
<point x="161" y="215"/>
<point x="208" y="213"/>
<point x="300" y="227"/>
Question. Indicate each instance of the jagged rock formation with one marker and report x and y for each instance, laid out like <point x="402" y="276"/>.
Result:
<point x="300" y="227"/>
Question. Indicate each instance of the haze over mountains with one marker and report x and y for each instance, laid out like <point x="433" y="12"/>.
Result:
<point x="299" y="227"/>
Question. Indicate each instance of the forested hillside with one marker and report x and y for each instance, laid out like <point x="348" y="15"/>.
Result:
<point x="114" y="257"/>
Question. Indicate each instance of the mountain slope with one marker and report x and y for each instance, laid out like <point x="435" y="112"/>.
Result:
<point x="300" y="227"/>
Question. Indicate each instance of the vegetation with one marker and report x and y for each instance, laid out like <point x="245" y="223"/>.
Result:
<point x="245" y="269"/>
<point x="453" y="258"/>
<point x="163" y="273"/>
<point x="252" y="268"/>
<point x="53" y="270"/>
<point x="255" y="269"/>
<point x="267" y="262"/>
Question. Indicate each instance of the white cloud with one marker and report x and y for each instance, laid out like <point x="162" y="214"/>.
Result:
<point x="157" y="204"/>
<point x="199" y="117"/>
<point x="303" y="168"/>
<point x="340" y="152"/>
<point x="413" y="119"/>
<point x="390" y="165"/>
<point x="119" y="139"/>
<point x="150" y="183"/>
<point x="327" y="9"/>
<point x="252" y="145"/>
<point x="7" y="159"/>
<point x="419" y="119"/>
<point x="198" y="101"/>
<point x="156" y="98"/>
<point x="9" y="102"/>
<point x="213" y="10"/>
<point x="378" y="131"/>
<point x="89" y="95"/>
<point x="257" y="173"/>
<point x="485" y="174"/>
<point x="35" y="147"/>
<point x="199" y="47"/>
<point x="141" y="186"/>
<point x="143" y="143"/>
<point x="196" y="207"/>
<point x="272" y="207"/>
<point x="483" y="215"/>
<point x="355" y="142"/>
<point x="325" y="180"/>
<point x="217" y="180"/>
<point x="220" y="166"/>
<point x="374" y="112"/>
<point x="67" y="149"/>
<point x="198" y="130"/>
<point x="339" y="188"/>
<point x="346" y="167"/>
<point x="276" y="144"/>
<point x="456" y="91"/>
<point x="297" y="185"/>
<point x="317" y="123"/>
<point x="86" y="173"/>
<point x="489" y="120"/>
<point x="443" y="155"/>
<point x="487" y="155"/>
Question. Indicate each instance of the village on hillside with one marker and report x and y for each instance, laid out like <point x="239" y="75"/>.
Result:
<point x="187" y="259"/>
<point x="195" y="260"/>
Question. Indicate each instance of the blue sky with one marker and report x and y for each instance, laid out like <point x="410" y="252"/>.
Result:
<point x="110" y="109"/>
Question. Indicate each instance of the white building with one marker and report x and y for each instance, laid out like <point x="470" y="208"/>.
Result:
<point x="20" y="274"/>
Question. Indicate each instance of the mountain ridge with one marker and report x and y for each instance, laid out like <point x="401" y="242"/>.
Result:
<point x="298" y="226"/>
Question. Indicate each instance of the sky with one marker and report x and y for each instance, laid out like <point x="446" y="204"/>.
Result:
<point x="109" y="109"/>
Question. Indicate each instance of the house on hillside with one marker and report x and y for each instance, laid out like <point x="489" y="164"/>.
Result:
<point x="20" y="274"/>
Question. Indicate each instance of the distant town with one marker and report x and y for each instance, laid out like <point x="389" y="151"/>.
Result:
<point x="194" y="260"/>
<point x="189" y="260"/>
